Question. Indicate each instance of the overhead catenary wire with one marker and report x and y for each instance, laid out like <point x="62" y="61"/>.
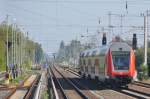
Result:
<point x="58" y="25"/>
<point x="84" y="1"/>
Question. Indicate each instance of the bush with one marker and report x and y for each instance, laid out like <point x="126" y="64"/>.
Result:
<point x="143" y="74"/>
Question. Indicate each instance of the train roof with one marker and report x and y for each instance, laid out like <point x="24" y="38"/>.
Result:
<point x="117" y="46"/>
<point x="102" y="50"/>
<point x="94" y="51"/>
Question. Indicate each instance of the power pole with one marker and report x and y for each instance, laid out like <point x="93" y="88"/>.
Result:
<point x="13" y="51"/>
<point x="12" y="46"/>
<point x="109" y="21"/>
<point x="109" y="24"/>
<point x="121" y="23"/>
<point x="20" y="53"/>
<point x="7" y="59"/>
<point x="145" y="37"/>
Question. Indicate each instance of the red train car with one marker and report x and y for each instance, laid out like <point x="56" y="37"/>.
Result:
<point x="113" y="63"/>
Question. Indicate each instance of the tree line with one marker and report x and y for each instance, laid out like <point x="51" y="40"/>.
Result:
<point x="22" y="51"/>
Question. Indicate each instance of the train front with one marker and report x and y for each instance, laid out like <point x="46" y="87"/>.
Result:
<point x="121" y="62"/>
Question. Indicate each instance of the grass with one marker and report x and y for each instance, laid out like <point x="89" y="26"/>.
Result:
<point x="2" y="81"/>
<point x="18" y="80"/>
<point x="44" y="95"/>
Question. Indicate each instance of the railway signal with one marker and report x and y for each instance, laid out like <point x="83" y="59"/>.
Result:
<point x="134" y="42"/>
<point x="104" y="39"/>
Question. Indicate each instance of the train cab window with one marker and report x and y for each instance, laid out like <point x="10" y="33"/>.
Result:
<point x="121" y="60"/>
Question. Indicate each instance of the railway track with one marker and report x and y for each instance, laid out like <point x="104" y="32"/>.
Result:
<point x="74" y="72"/>
<point x="68" y="89"/>
<point x="53" y="83"/>
<point x="138" y="83"/>
<point x="132" y="92"/>
<point x="25" y="90"/>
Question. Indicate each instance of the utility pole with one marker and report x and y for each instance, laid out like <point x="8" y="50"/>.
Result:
<point x="17" y="51"/>
<point x="109" y="21"/>
<point x="7" y="44"/>
<point x="20" y="53"/>
<point x="145" y="37"/>
<point x="121" y="23"/>
<point x="54" y="57"/>
<point x="12" y="46"/>
<point x="14" y="52"/>
<point x="109" y="24"/>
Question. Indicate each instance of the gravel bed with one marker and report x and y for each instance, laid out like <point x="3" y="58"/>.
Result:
<point x="97" y="88"/>
<point x="69" y="90"/>
<point x="86" y="92"/>
<point x="146" y="81"/>
<point x="107" y="94"/>
<point x="4" y="93"/>
<point x="139" y="88"/>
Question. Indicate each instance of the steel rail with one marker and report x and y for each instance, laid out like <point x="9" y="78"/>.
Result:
<point x="53" y="85"/>
<point x="59" y="85"/>
<point x="71" y="83"/>
<point x="15" y="89"/>
<point x="31" y="89"/>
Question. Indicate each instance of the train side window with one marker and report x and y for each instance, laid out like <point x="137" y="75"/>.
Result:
<point x="80" y="62"/>
<point x="94" y="53"/>
<point x="89" y="62"/>
<point x="96" y="62"/>
<point x="82" y="55"/>
<point x="84" y="62"/>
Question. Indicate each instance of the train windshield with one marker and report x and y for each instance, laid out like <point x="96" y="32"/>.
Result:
<point x="121" y="60"/>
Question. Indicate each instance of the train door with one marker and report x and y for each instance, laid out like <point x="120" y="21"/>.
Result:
<point x="92" y="66"/>
<point x="89" y="66"/>
<point x="96" y="63"/>
<point x="80" y="65"/>
<point x="85" y="66"/>
<point x="102" y="66"/>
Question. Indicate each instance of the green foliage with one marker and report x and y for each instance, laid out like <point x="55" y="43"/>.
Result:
<point x="144" y="72"/>
<point x="139" y="57"/>
<point x="69" y="52"/>
<point x="139" y="63"/>
<point x="29" y="47"/>
<point x="2" y="55"/>
<point x="27" y="64"/>
<point x="17" y="80"/>
<point x="44" y="95"/>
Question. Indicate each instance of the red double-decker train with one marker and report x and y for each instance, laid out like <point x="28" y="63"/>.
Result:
<point x="112" y="63"/>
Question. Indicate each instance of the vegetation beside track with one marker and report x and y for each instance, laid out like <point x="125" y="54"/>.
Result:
<point x="19" y="79"/>
<point x="45" y="95"/>
<point x="27" y="45"/>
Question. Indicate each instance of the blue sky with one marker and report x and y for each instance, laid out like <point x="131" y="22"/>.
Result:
<point x="50" y="21"/>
